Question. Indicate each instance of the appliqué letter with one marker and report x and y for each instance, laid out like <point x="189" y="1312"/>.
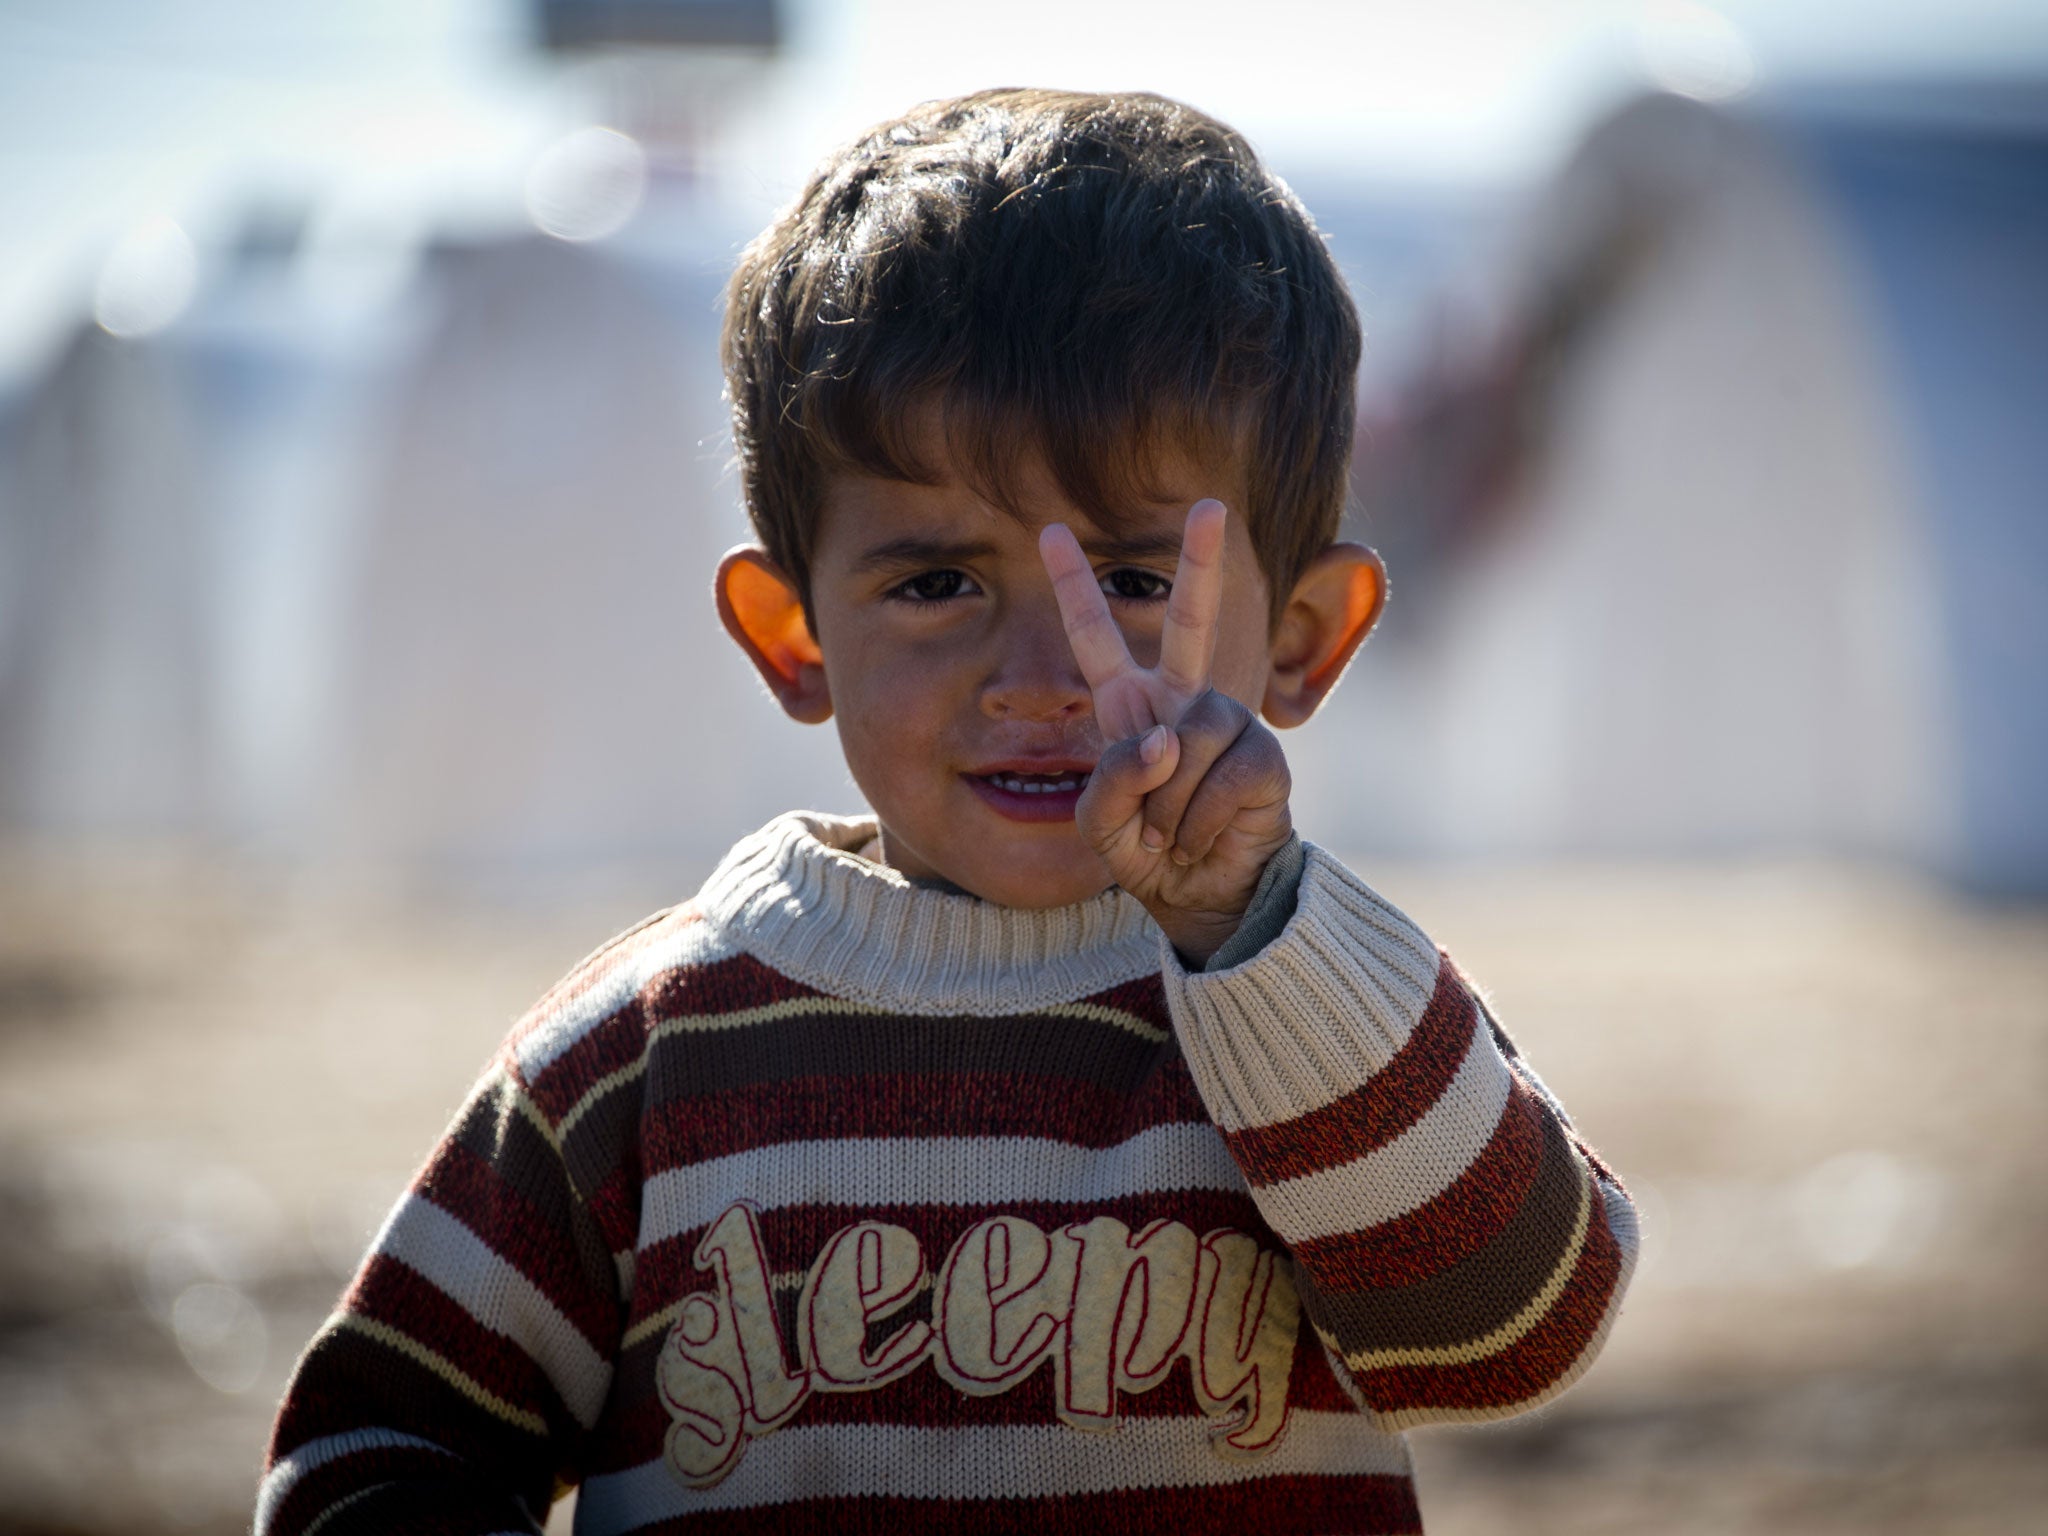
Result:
<point x="1111" y="1308"/>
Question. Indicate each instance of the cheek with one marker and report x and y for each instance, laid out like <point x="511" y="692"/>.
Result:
<point x="890" y="698"/>
<point x="1243" y="654"/>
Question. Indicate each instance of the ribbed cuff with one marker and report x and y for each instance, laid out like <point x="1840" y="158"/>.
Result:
<point x="1314" y="1013"/>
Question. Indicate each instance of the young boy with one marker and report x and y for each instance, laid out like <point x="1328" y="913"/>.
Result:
<point x="1067" y="1146"/>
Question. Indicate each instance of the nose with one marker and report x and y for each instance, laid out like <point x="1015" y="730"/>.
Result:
<point x="1033" y="674"/>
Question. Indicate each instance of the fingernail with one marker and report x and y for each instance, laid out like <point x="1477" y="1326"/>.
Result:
<point x="1151" y="840"/>
<point x="1152" y="745"/>
<point x="1182" y="857"/>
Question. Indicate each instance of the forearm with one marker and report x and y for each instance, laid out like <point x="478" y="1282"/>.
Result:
<point x="1453" y="1242"/>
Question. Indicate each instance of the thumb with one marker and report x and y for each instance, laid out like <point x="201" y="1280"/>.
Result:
<point x="1124" y="775"/>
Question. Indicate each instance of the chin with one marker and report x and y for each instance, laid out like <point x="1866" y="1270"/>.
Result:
<point x="1035" y="889"/>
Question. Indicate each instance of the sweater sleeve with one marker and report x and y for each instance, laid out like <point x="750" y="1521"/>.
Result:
<point x="1456" y="1245"/>
<point x="449" y="1391"/>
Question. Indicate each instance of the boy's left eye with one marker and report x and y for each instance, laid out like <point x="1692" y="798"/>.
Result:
<point x="1135" y="585"/>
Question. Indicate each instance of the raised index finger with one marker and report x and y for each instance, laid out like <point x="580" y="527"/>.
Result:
<point x="1091" y="628"/>
<point x="1188" y="641"/>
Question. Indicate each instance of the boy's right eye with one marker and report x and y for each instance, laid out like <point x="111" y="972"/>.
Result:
<point x="931" y="586"/>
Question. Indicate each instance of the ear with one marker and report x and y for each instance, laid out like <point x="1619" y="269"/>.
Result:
<point x="760" y="607"/>
<point x="1330" y="612"/>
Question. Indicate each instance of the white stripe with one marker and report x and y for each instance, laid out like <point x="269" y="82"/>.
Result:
<point x="1413" y="1168"/>
<point x="940" y="1170"/>
<point x="691" y="942"/>
<point x="1016" y="1461"/>
<point x="498" y="1296"/>
<point x="284" y="1476"/>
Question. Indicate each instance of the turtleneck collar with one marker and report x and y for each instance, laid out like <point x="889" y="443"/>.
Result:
<point x="798" y="898"/>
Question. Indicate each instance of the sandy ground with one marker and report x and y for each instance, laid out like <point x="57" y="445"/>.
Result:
<point x="1826" y="1084"/>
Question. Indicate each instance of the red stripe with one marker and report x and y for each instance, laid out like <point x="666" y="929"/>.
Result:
<point x="399" y="1297"/>
<point x="612" y="1043"/>
<point x="1268" y="1506"/>
<point x="825" y="1107"/>
<point x="1376" y="1111"/>
<point x="721" y="986"/>
<point x="1527" y="1367"/>
<point x="615" y="1204"/>
<point x="1452" y="1225"/>
<point x="511" y="1226"/>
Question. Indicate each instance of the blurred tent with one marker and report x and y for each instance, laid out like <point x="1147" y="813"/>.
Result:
<point x="104" y="692"/>
<point x="536" y="677"/>
<point x="1729" y="536"/>
<point x="418" y="585"/>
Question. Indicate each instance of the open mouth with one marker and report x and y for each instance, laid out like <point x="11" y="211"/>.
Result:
<point x="1019" y="796"/>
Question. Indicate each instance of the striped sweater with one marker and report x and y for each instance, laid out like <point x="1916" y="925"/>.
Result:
<point x="829" y="1202"/>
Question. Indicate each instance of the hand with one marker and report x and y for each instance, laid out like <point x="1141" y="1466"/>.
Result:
<point x="1189" y="798"/>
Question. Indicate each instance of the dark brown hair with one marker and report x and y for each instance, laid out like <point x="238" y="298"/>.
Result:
<point x="1087" y="277"/>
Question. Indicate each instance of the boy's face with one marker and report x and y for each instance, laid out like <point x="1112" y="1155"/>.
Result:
<point x="964" y="717"/>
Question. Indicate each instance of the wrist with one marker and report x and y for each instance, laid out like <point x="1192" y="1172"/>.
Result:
<point x="1196" y="936"/>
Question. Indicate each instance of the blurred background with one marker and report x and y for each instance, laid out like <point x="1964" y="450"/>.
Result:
<point x="362" y="468"/>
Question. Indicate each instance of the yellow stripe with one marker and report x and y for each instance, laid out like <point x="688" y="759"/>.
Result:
<point x="654" y="1322"/>
<point x="769" y="1013"/>
<point x="525" y="1105"/>
<point x="1097" y="1013"/>
<point x="1510" y="1331"/>
<point x="468" y="1386"/>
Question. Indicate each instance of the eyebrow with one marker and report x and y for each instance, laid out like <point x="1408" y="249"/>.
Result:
<point x="913" y="549"/>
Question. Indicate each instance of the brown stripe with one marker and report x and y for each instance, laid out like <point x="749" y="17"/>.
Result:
<point x="828" y="1044"/>
<point x="604" y="1139"/>
<point x="1526" y="1368"/>
<point x="468" y="1505"/>
<point x="317" y="1491"/>
<point x="1376" y="1111"/>
<point x="1443" y="1230"/>
<point x="1473" y="1298"/>
<point x="1270" y="1506"/>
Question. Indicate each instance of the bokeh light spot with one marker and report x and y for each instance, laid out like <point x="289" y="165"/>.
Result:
<point x="148" y="279"/>
<point x="221" y="1334"/>
<point x="1694" y="50"/>
<point x="586" y="185"/>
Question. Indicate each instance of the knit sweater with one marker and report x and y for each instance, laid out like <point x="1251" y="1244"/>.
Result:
<point x="828" y="1202"/>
